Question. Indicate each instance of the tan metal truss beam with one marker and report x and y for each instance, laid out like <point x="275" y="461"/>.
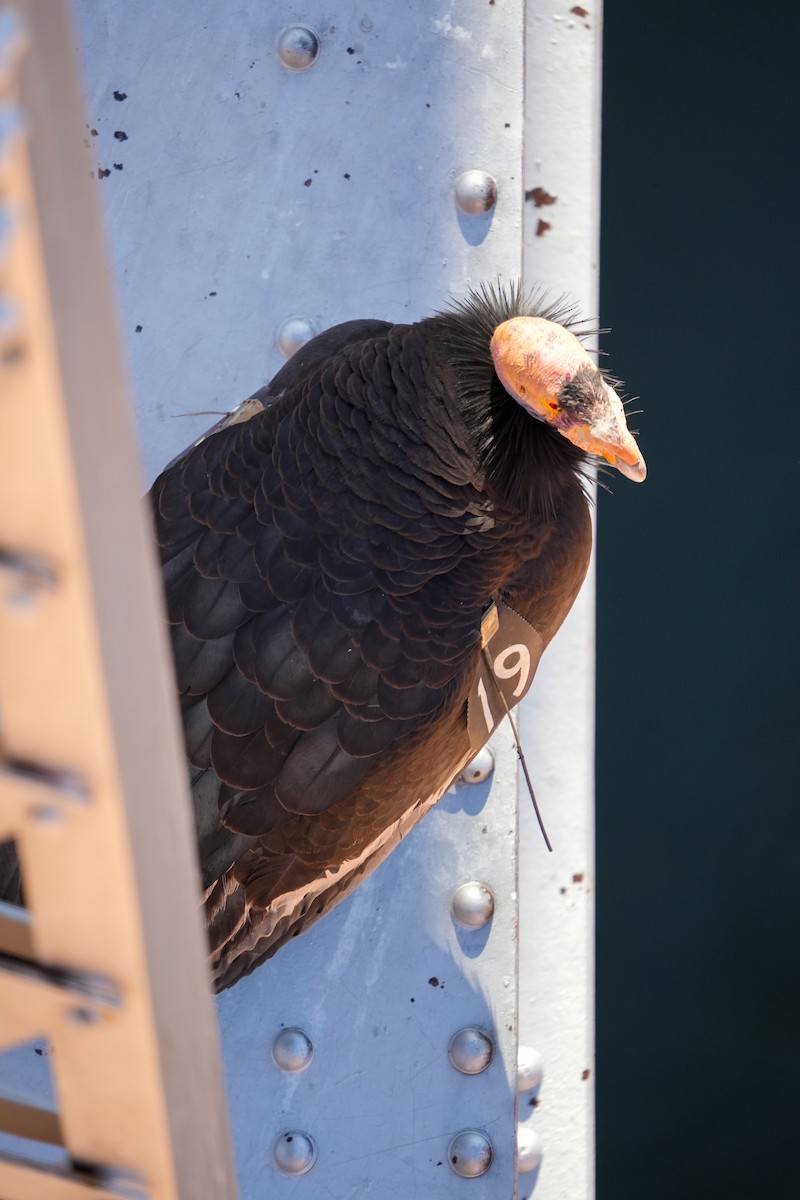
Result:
<point x="109" y="965"/>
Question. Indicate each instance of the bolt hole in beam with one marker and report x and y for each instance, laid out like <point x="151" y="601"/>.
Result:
<point x="24" y="577"/>
<point x="16" y="925"/>
<point x="32" y="1130"/>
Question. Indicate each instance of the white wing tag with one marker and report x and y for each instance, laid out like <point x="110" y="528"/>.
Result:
<point x="511" y="649"/>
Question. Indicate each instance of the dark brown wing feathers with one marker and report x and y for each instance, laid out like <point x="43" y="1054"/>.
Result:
<point x="326" y="565"/>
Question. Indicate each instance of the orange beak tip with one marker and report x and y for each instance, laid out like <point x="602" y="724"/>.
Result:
<point x="637" y="472"/>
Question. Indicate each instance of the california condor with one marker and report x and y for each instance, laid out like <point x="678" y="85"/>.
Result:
<point x="330" y="556"/>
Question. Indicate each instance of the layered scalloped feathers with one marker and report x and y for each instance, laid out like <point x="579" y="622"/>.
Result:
<point x="326" y="566"/>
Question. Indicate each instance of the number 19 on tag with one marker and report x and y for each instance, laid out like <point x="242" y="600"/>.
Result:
<point x="510" y="653"/>
<point x="513" y="663"/>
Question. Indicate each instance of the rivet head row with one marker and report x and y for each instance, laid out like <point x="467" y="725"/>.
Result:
<point x="297" y="47"/>
<point x="470" y="1050"/>
<point x="293" y="333"/>
<point x="472" y="905"/>
<point x="470" y="1153"/>
<point x="294" y="1153"/>
<point x="292" y="1050"/>
<point x="529" y="1149"/>
<point x="530" y="1069"/>
<point x="481" y="767"/>
<point x="476" y="193"/>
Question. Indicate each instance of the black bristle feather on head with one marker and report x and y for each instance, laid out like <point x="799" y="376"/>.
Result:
<point x="524" y="460"/>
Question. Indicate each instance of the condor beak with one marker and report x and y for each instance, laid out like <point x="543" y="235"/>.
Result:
<point x="606" y="434"/>
<point x="637" y="472"/>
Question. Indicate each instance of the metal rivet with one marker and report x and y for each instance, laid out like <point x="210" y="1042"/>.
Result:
<point x="470" y="1153"/>
<point x="292" y="1050"/>
<point x="480" y="768"/>
<point x="297" y="47"/>
<point x="476" y="193"/>
<point x="530" y="1069"/>
<point x="294" y="1153"/>
<point x="473" y="905"/>
<point x="293" y="333"/>
<point x="470" y="1050"/>
<point x="529" y="1149"/>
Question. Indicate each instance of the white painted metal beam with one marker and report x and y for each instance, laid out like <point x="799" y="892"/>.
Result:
<point x="562" y="223"/>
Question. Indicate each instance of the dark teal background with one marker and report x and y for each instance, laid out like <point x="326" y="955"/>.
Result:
<point x="698" y="1081"/>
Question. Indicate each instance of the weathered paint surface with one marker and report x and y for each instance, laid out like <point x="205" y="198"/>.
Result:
<point x="240" y="193"/>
